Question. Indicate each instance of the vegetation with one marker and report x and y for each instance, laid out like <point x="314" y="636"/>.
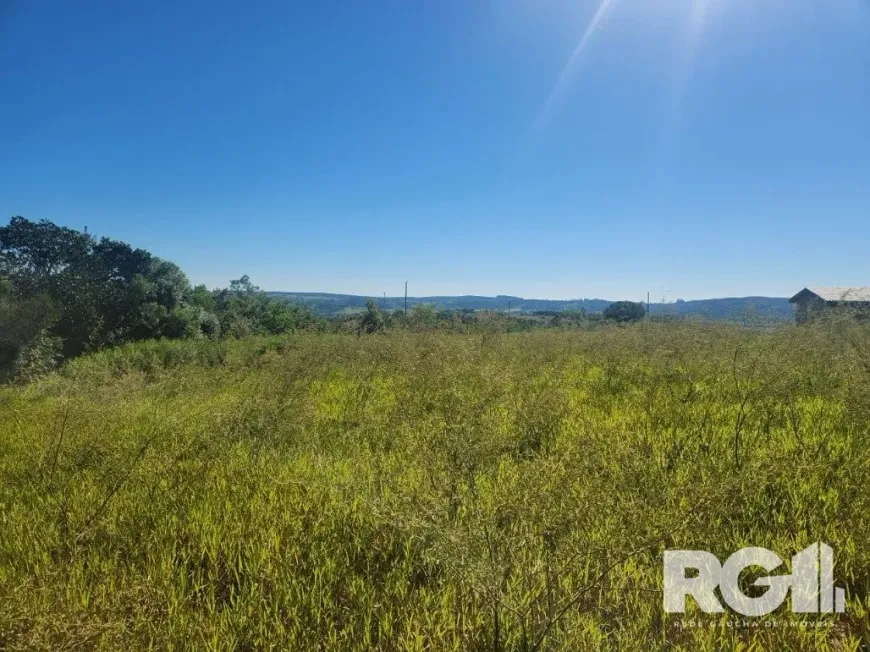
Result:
<point x="26" y="348"/>
<point x="374" y="319"/>
<point x="769" y="309"/>
<point x="63" y="292"/>
<point x="625" y="311"/>
<point x="423" y="489"/>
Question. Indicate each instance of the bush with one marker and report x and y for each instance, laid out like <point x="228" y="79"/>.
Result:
<point x="26" y="345"/>
<point x="40" y="356"/>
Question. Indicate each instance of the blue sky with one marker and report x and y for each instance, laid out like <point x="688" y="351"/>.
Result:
<point x="542" y="148"/>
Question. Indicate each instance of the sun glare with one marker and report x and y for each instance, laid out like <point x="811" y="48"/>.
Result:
<point x="697" y="22"/>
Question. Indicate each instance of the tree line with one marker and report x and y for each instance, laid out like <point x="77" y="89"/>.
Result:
<point x="64" y="292"/>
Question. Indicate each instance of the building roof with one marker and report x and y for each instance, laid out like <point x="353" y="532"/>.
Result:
<point x="841" y="294"/>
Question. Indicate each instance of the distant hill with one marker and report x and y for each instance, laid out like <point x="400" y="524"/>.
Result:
<point x="768" y="308"/>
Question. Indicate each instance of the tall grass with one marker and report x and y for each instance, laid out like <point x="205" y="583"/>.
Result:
<point x="426" y="491"/>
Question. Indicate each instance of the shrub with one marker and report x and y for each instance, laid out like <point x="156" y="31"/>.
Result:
<point x="26" y="345"/>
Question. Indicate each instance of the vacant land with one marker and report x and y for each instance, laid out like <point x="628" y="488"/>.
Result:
<point x="414" y="491"/>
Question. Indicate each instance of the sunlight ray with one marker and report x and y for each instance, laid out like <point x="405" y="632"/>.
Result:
<point x="683" y="70"/>
<point x="562" y="82"/>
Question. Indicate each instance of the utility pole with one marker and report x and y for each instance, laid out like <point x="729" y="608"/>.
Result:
<point x="406" y="298"/>
<point x="647" y="306"/>
<point x="509" y="307"/>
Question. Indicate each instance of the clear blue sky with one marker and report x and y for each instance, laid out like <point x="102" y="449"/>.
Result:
<point x="544" y="148"/>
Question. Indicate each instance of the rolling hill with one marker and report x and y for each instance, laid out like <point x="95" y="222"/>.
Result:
<point x="732" y="308"/>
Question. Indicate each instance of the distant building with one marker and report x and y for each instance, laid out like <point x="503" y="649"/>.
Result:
<point x="813" y="301"/>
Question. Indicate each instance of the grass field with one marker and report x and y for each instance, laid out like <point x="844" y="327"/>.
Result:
<point x="430" y="491"/>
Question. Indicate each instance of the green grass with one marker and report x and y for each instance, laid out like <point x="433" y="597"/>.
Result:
<point x="429" y="491"/>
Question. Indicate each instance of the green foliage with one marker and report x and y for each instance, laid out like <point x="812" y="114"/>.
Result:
<point x="35" y="251"/>
<point x="373" y="320"/>
<point x="430" y="491"/>
<point x="41" y="355"/>
<point x="26" y="347"/>
<point x="426" y="317"/>
<point x="423" y="315"/>
<point x="625" y="311"/>
<point x="243" y="310"/>
<point x="186" y="322"/>
<point x="202" y="297"/>
<point x="62" y="288"/>
<point x="104" y="291"/>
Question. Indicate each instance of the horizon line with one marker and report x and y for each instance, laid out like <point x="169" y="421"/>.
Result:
<point x="400" y="297"/>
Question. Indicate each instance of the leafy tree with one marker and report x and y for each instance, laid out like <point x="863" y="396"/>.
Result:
<point x="625" y="311"/>
<point x="373" y="320"/>
<point x="244" y="310"/>
<point x="37" y="250"/>
<point x="60" y="287"/>
<point x="43" y="259"/>
<point x="105" y="291"/>
<point x="240" y="308"/>
<point x="243" y="287"/>
<point x="202" y="297"/>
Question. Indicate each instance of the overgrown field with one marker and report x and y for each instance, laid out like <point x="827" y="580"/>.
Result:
<point x="430" y="491"/>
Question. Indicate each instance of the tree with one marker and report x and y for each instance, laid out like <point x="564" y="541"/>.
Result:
<point x="625" y="311"/>
<point x="105" y="292"/>
<point x="243" y="286"/>
<point x="373" y="320"/>
<point x="62" y="287"/>
<point x="202" y="297"/>
<point x="155" y="301"/>
<point x="37" y="250"/>
<point x="244" y="310"/>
